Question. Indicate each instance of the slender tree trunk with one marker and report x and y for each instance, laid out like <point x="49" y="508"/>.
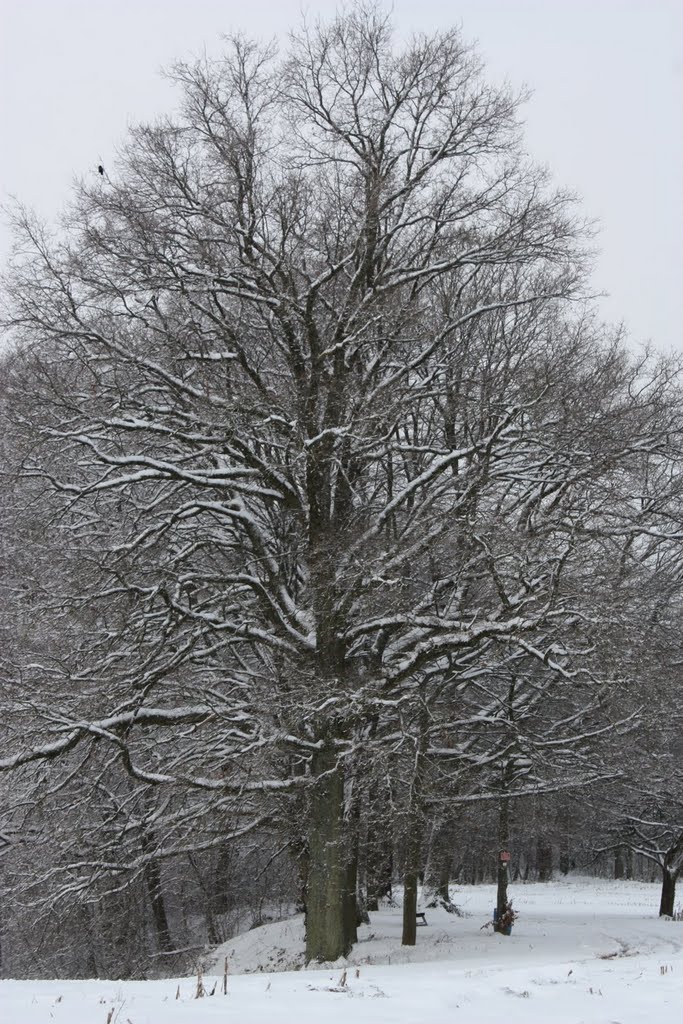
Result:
<point x="506" y="778"/>
<point x="503" y="843"/>
<point x="413" y="838"/>
<point x="503" y="870"/>
<point x="362" y="916"/>
<point x="619" y="870"/>
<point x="304" y="865"/>
<point x="221" y="882"/>
<point x="90" y="931"/>
<point x="351" y="920"/>
<point x="666" y="903"/>
<point x="379" y="863"/>
<point x="152" y="875"/>
<point x="438" y="867"/>
<point x="410" y="881"/>
<point x="443" y="887"/>
<point x="544" y="861"/>
<point x="352" y="836"/>
<point x="380" y="878"/>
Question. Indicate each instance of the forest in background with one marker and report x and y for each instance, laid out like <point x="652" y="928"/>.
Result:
<point x="340" y="540"/>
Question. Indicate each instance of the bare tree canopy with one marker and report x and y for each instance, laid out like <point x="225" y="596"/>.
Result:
<point x="335" y="467"/>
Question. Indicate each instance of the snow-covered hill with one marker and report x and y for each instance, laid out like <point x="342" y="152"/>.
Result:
<point x="578" y="917"/>
<point x="582" y="952"/>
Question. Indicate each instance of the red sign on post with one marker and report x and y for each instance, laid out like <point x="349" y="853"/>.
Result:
<point x="504" y="856"/>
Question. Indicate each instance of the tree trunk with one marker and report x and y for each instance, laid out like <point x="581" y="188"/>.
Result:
<point x="503" y="843"/>
<point x="438" y="867"/>
<point x="351" y="921"/>
<point x="544" y="861"/>
<point x="220" y="902"/>
<point x="379" y="866"/>
<point x="410" y="880"/>
<point x="413" y="837"/>
<point x="303" y="863"/>
<point x="443" y="887"/>
<point x="666" y="903"/>
<point x="329" y="934"/>
<point x="152" y="875"/>
<point x="619" y="870"/>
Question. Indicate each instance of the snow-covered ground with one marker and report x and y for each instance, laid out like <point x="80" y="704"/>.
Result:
<point x="581" y="952"/>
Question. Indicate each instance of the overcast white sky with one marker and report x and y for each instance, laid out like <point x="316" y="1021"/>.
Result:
<point x="606" y="115"/>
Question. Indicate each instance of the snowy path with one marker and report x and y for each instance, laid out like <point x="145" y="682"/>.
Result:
<point x="581" y="953"/>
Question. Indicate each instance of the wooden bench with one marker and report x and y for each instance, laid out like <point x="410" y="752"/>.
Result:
<point x="424" y="920"/>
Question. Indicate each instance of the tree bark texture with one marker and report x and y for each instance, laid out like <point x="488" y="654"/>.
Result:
<point x="503" y="843"/>
<point x="666" y="903"/>
<point x="414" y="826"/>
<point x="329" y="931"/>
<point x="410" y="880"/>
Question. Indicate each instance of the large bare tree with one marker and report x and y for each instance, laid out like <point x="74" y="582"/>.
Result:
<point x="305" y="392"/>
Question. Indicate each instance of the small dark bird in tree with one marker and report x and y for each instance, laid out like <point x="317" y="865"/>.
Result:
<point x="100" y="168"/>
